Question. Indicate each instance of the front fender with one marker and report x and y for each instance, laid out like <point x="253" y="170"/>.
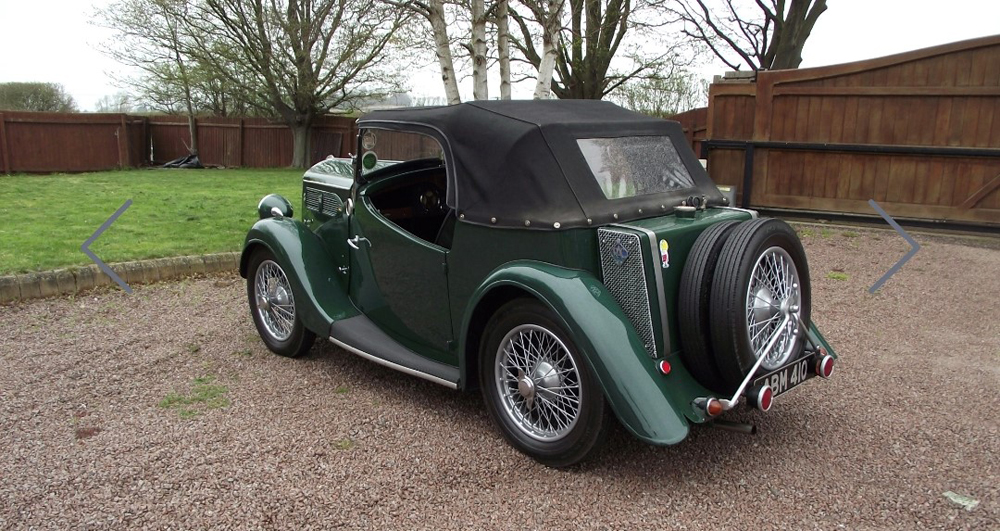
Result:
<point x="634" y="388"/>
<point x="320" y="298"/>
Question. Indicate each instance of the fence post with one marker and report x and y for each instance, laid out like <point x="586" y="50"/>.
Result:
<point x="122" y="142"/>
<point x="239" y="145"/>
<point x="4" y="150"/>
<point x="747" y="174"/>
<point x="146" y="144"/>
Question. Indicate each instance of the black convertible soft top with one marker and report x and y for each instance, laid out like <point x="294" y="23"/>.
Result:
<point x="517" y="163"/>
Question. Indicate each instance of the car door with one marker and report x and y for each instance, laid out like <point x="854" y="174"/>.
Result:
<point x="400" y="282"/>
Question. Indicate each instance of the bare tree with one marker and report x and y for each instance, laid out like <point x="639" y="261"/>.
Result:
<point x="433" y="12"/>
<point x="601" y="44"/>
<point x="303" y="57"/>
<point x="548" y="13"/>
<point x="478" y="50"/>
<point x="503" y="46"/>
<point x="466" y="27"/>
<point x="149" y="37"/>
<point x="763" y="34"/>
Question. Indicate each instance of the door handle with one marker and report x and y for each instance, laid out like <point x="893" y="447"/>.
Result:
<point x="353" y="242"/>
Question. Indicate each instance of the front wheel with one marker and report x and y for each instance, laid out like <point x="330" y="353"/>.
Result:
<point x="538" y="388"/>
<point x="272" y="305"/>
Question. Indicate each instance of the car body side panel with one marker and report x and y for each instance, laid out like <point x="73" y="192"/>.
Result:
<point x="478" y="250"/>
<point x="400" y="283"/>
<point x="320" y="297"/>
<point x="637" y="392"/>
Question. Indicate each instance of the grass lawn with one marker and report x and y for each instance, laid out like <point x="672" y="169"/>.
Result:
<point x="45" y="218"/>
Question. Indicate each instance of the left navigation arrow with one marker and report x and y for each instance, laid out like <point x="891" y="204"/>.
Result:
<point x="104" y="267"/>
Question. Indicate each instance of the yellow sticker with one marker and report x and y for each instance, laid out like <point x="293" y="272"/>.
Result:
<point x="664" y="254"/>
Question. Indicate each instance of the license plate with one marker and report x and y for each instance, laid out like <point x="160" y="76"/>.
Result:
<point x="784" y="379"/>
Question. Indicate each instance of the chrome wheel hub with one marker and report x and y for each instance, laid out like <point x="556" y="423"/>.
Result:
<point x="526" y="386"/>
<point x="275" y="303"/>
<point x="773" y="298"/>
<point x="538" y="382"/>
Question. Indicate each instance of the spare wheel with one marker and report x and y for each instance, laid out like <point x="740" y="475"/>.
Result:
<point x="760" y="296"/>
<point x="694" y="298"/>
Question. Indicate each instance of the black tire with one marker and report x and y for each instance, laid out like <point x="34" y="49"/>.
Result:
<point x="582" y="436"/>
<point x="730" y="298"/>
<point x="292" y="342"/>
<point x="693" y="304"/>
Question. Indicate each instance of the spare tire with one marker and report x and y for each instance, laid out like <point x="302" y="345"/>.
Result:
<point x="693" y="304"/>
<point x="761" y="281"/>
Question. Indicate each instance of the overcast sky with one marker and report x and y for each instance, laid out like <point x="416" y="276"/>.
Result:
<point x="52" y="40"/>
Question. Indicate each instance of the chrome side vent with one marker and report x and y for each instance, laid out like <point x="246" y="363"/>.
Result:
<point x="332" y="204"/>
<point x="326" y="203"/>
<point x="624" y="272"/>
<point x="313" y="199"/>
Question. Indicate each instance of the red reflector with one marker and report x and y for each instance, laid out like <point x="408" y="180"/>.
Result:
<point x="713" y="407"/>
<point x="824" y="367"/>
<point x="765" y="397"/>
<point x="664" y="367"/>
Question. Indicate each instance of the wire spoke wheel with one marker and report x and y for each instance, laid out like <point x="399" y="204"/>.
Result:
<point x="538" y="382"/>
<point x="760" y="300"/>
<point x="773" y="297"/>
<point x="274" y="300"/>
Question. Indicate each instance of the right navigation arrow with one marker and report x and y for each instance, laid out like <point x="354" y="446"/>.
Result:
<point x="909" y="239"/>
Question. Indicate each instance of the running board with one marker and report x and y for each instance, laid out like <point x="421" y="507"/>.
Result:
<point x="361" y="336"/>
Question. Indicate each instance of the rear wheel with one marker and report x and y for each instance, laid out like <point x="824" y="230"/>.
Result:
<point x="272" y="305"/>
<point x="538" y="388"/>
<point x="760" y="299"/>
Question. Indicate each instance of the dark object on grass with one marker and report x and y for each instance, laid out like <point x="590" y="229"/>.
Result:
<point x="187" y="161"/>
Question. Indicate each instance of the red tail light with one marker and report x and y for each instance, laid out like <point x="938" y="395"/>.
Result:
<point x="824" y="366"/>
<point x="761" y="397"/>
<point x="713" y="407"/>
<point x="663" y="366"/>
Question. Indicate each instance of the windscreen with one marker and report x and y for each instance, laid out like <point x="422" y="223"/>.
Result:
<point x="395" y="147"/>
<point x="635" y="165"/>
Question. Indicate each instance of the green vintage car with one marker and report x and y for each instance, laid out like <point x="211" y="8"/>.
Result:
<point x="570" y="259"/>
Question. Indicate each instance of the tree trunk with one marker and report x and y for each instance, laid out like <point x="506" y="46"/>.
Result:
<point x="193" y="131"/>
<point x="788" y="43"/>
<point x="442" y="48"/>
<point x="550" y="35"/>
<point x="300" y="143"/>
<point x="480" y="88"/>
<point x="503" y="47"/>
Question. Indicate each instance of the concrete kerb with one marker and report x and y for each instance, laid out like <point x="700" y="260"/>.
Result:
<point x="75" y="280"/>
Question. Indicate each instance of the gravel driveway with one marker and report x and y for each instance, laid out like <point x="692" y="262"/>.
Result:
<point x="162" y="409"/>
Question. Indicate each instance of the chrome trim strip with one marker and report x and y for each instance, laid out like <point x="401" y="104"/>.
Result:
<point x="753" y="213"/>
<point x="394" y="366"/>
<point x="658" y="280"/>
<point x="336" y="181"/>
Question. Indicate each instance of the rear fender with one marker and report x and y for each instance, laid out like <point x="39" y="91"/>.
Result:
<point x="320" y="298"/>
<point x="631" y="383"/>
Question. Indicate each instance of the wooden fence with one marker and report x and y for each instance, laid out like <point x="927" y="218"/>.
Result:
<point x="695" y="126"/>
<point x="919" y="132"/>
<point x="51" y="142"/>
<point x="60" y="142"/>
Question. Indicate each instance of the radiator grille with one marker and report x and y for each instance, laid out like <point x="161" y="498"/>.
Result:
<point x="622" y="265"/>
<point x="326" y="203"/>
